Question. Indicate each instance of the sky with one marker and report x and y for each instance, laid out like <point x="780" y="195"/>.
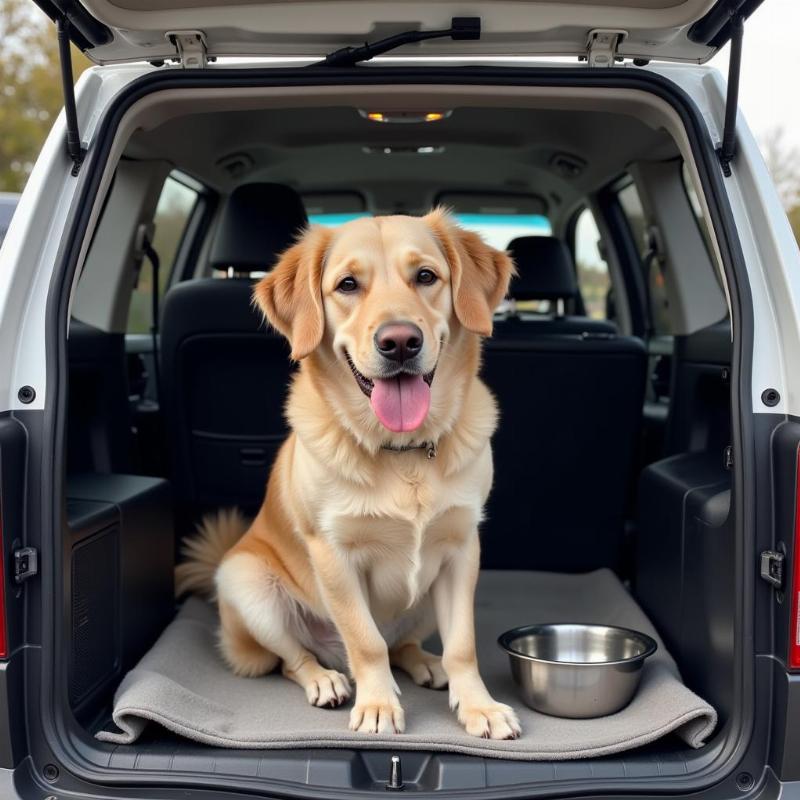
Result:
<point x="770" y="85"/>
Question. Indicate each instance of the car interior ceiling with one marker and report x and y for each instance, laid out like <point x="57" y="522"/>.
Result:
<point x="608" y="424"/>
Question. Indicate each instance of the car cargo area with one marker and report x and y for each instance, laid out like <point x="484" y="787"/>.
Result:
<point x="611" y="362"/>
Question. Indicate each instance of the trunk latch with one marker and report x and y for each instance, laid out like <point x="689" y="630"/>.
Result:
<point x="602" y="46"/>
<point x="772" y="567"/>
<point x="395" y="783"/>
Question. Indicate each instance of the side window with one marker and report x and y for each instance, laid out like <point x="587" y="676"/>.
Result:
<point x="173" y="213"/>
<point x="631" y="206"/>
<point x="593" y="278"/>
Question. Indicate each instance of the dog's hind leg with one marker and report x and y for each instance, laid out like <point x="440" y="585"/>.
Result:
<point x="252" y="598"/>
<point x="243" y="654"/>
<point x="408" y="654"/>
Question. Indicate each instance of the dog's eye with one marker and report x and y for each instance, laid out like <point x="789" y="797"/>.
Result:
<point x="426" y="277"/>
<point x="347" y="285"/>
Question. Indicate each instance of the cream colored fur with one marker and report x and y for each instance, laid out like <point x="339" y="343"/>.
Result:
<point x="358" y="553"/>
<point x="203" y="552"/>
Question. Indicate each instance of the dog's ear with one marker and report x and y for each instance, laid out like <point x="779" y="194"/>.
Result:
<point x="479" y="273"/>
<point x="290" y="295"/>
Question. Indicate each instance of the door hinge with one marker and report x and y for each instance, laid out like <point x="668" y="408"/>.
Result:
<point x="602" y="46"/>
<point x="26" y="563"/>
<point x="191" y="47"/>
<point x="772" y="567"/>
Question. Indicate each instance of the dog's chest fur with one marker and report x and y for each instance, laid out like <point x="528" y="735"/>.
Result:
<point x="399" y="531"/>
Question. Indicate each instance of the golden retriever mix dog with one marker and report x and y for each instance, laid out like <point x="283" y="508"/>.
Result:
<point x="367" y="540"/>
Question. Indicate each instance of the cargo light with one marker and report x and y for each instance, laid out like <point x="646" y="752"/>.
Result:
<point x="404" y="149"/>
<point x="405" y="117"/>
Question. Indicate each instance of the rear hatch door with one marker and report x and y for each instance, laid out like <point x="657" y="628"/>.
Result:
<point x="125" y="30"/>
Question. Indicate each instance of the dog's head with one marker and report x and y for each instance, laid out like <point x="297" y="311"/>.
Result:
<point x="383" y="297"/>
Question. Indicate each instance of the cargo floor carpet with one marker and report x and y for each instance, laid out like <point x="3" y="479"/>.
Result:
<point x="182" y="684"/>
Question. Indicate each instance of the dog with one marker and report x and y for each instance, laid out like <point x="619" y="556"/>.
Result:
<point x="367" y="540"/>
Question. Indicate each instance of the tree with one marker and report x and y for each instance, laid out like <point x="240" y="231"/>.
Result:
<point x="30" y="88"/>
<point x="794" y="221"/>
<point x="783" y="162"/>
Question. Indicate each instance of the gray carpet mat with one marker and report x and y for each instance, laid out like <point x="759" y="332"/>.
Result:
<point x="182" y="684"/>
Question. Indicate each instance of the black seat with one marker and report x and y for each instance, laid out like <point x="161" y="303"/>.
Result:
<point x="570" y="412"/>
<point x="546" y="272"/>
<point x="224" y="373"/>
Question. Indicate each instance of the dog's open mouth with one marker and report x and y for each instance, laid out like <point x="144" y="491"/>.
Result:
<point x="401" y="402"/>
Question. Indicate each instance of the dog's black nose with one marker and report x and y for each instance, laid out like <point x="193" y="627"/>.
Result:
<point x="398" y="341"/>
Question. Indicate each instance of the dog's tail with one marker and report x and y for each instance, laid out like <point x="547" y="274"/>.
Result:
<point x="203" y="552"/>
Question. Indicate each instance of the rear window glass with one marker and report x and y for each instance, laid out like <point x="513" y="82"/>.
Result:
<point x="499" y="229"/>
<point x="336" y="219"/>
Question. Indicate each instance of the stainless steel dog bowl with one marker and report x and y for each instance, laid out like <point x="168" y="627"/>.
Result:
<point x="576" y="671"/>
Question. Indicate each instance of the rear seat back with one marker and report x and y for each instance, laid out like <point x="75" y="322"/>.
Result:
<point x="225" y="374"/>
<point x="570" y="412"/>
<point x="545" y="272"/>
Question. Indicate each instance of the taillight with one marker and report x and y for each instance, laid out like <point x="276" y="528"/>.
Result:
<point x="794" y="623"/>
<point x="3" y="639"/>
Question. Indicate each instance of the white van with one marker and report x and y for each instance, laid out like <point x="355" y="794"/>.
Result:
<point x="645" y="361"/>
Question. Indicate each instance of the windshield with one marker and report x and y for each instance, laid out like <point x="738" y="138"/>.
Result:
<point x="497" y="229"/>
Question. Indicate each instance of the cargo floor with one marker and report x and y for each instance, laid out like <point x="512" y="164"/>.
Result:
<point x="182" y="685"/>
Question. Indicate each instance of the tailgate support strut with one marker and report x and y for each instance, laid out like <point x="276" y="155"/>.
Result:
<point x="727" y="149"/>
<point x="74" y="149"/>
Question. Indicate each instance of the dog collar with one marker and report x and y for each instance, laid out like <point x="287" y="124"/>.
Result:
<point x="429" y="447"/>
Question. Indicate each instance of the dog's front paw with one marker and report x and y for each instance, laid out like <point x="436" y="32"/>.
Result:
<point x="490" y="721"/>
<point x="327" y="689"/>
<point x="377" y="715"/>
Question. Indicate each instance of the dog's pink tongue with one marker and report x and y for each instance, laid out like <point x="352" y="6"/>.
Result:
<point x="401" y="403"/>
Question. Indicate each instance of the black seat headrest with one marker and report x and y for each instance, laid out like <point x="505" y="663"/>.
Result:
<point x="545" y="268"/>
<point x="259" y="222"/>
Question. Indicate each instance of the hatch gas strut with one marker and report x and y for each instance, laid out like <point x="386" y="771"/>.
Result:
<point x="73" y="23"/>
<point x="727" y="149"/>
<point x="722" y="24"/>
<point x="74" y="149"/>
<point x="461" y="28"/>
